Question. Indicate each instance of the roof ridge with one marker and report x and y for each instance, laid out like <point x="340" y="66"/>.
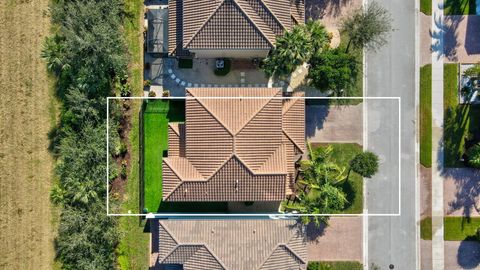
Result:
<point x="280" y="147"/>
<point x="212" y="114"/>
<point x="273" y="14"/>
<point x="259" y="110"/>
<point x="176" y="173"/>
<point x="256" y="26"/>
<point x="215" y="256"/>
<point x="171" y="235"/>
<point x="290" y="138"/>
<point x="204" y="23"/>
<point x="292" y="251"/>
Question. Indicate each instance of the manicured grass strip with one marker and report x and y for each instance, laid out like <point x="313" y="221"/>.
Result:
<point x="132" y="250"/>
<point x="426" y="116"/>
<point x="459" y="7"/>
<point x="334" y="266"/>
<point x="155" y="132"/>
<point x="426" y="228"/>
<point x="426" y="7"/>
<point x="460" y="228"/>
<point x="460" y="120"/>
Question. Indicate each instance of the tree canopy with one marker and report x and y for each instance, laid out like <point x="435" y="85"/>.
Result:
<point x="365" y="164"/>
<point x="367" y="28"/>
<point x="333" y="70"/>
<point x="294" y="48"/>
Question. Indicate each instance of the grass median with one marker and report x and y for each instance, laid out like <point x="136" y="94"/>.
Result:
<point x="426" y="116"/>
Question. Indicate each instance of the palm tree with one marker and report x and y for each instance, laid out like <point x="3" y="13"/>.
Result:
<point x="53" y="52"/>
<point x="291" y="50"/>
<point x="318" y="35"/>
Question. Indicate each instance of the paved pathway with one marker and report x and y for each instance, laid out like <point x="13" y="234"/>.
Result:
<point x="437" y="134"/>
<point x="340" y="241"/>
<point x="341" y="124"/>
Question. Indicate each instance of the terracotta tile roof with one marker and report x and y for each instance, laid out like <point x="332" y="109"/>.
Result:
<point x="229" y="244"/>
<point x="230" y="24"/>
<point x="234" y="149"/>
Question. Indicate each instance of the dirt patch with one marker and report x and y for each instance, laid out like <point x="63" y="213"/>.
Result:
<point x="27" y="111"/>
<point x="425" y="192"/>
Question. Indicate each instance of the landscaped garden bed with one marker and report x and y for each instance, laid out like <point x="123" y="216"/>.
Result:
<point x="462" y="122"/>
<point x="335" y="265"/>
<point x="341" y="155"/>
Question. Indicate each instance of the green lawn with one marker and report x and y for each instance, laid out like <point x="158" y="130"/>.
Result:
<point x="459" y="120"/>
<point x="426" y="116"/>
<point x="459" y="7"/>
<point x="334" y="266"/>
<point x="157" y="115"/>
<point x="426" y="7"/>
<point x="460" y="228"/>
<point x="132" y="250"/>
<point x="426" y="228"/>
<point x="342" y="154"/>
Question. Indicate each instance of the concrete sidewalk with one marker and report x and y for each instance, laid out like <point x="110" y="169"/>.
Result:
<point x="437" y="45"/>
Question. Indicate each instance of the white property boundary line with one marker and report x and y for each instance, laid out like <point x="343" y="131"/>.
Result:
<point x="278" y="215"/>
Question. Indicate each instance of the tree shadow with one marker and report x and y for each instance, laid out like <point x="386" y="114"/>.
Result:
<point x="310" y="232"/>
<point x="447" y="37"/>
<point x="467" y="182"/>
<point x="468" y="255"/>
<point x="317" y="9"/>
<point x="472" y="38"/>
<point x="316" y="114"/>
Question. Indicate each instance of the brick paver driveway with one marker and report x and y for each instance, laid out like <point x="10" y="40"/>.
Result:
<point x="461" y="192"/>
<point x="334" y="124"/>
<point x="340" y="241"/>
<point x="462" y="255"/>
<point x="461" y="39"/>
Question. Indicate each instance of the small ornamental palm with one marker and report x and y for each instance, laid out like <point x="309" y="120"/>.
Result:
<point x="474" y="156"/>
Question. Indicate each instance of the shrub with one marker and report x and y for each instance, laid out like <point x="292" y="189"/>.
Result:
<point x="225" y="70"/>
<point x="365" y="164"/>
<point x="152" y="94"/>
<point x="473" y="155"/>
<point x="165" y="93"/>
<point x="123" y="172"/>
<point x="185" y="63"/>
<point x="147" y="83"/>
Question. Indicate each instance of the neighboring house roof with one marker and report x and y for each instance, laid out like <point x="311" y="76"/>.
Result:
<point x="229" y="244"/>
<point x="234" y="149"/>
<point x="230" y="24"/>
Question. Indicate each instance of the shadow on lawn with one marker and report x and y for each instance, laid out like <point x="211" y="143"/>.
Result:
<point x="468" y="255"/>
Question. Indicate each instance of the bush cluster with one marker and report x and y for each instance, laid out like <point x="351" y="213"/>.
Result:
<point x="87" y="56"/>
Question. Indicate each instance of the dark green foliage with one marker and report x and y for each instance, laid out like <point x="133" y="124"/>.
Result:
<point x="185" y="63"/>
<point x="226" y="68"/>
<point x="334" y="265"/>
<point x="291" y="50"/>
<point x="333" y="70"/>
<point x="86" y="239"/>
<point x="474" y="156"/>
<point x="88" y="57"/>
<point x="365" y="164"/>
<point x="367" y="28"/>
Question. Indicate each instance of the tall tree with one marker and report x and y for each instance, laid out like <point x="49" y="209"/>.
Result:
<point x="367" y="28"/>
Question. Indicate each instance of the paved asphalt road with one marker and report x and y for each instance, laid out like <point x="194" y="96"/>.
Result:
<point x="391" y="72"/>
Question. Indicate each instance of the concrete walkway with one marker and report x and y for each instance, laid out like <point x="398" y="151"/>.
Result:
<point x="437" y="134"/>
